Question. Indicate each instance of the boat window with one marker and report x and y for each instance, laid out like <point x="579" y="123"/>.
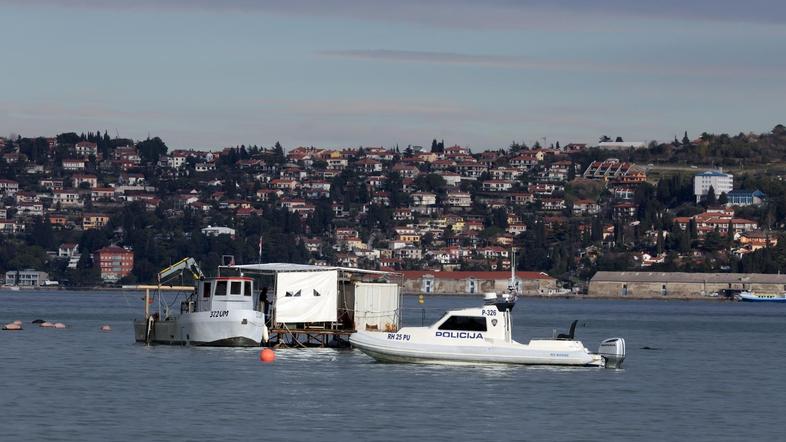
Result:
<point x="464" y="323"/>
<point x="247" y="288"/>
<point x="206" y="290"/>
<point x="235" y="287"/>
<point x="221" y="288"/>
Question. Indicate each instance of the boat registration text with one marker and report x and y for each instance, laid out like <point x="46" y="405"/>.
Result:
<point x="398" y="337"/>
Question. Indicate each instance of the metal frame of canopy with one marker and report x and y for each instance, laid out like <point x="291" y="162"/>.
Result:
<point x="275" y="267"/>
<point x="158" y="289"/>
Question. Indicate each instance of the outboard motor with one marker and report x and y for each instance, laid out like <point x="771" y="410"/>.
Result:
<point x="613" y="352"/>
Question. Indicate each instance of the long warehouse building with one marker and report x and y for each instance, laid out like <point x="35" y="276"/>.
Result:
<point x="678" y="284"/>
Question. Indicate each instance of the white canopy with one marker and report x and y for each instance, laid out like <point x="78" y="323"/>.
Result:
<point x="306" y="296"/>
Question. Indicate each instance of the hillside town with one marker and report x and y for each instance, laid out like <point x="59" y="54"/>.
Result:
<point x="90" y="209"/>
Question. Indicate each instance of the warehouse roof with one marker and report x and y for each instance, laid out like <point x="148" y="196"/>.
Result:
<point x="480" y="275"/>
<point x="757" y="278"/>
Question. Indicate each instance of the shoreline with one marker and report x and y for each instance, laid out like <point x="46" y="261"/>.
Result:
<point x="457" y="295"/>
<point x="584" y="297"/>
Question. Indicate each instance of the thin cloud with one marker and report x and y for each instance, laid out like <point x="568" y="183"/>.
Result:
<point x="530" y="63"/>
<point x="490" y="14"/>
<point x="359" y="108"/>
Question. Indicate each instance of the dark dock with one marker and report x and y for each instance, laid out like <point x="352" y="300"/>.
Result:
<point x="308" y="337"/>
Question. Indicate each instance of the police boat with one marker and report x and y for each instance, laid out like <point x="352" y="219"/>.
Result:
<point x="483" y="335"/>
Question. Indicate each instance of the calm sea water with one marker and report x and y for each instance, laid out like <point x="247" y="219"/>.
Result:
<point x="716" y="372"/>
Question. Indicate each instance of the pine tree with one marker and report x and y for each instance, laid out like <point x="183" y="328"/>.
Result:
<point x="710" y="198"/>
<point x="278" y="154"/>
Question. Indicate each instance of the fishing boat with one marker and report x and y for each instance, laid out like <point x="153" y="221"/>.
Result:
<point x="483" y="335"/>
<point x="220" y="311"/>
<point x="756" y="297"/>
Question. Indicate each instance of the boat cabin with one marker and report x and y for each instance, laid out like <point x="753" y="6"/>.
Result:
<point x="225" y="293"/>
<point x="488" y="321"/>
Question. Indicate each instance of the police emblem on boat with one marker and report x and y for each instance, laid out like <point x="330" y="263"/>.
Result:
<point x="494" y="322"/>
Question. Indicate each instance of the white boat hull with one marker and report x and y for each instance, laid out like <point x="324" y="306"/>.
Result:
<point x="236" y="328"/>
<point x="538" y="352"/>
<point x="751" y="297"/>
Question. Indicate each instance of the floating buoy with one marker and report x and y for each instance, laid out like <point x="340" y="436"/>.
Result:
<point x="59" y="325"/>
<point x="267" y="355"/>
<point x="12" y="327"/>
<point x="38" y="321"/>
<point x="46" y="324"/>
<point x="106" y="328"/>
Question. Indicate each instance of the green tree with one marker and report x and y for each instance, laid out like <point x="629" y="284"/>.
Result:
<point x="278" y="156"/>
<point x="710" y="198"/>
<point x="151" y="149"/>
<point x="41" y="233"/>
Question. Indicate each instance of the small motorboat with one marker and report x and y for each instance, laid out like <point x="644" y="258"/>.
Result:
<point x="483" y="335"/>
<point x="755" y="297"/>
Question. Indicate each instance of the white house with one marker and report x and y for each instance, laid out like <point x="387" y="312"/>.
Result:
<point x="73" y="164"/>
<point x="424" y="199"/>
<point x="9" y="187"/>
<point x="217" y="230"/>
<point x="459" y="199"/>
<point x="66" y="198"/>
<point x="497" y="185"/>
<point x="25" y="278"/>
<point x="86" y="148"/>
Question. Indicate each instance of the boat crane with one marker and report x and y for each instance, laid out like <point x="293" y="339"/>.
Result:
<point x="179" y="267"/>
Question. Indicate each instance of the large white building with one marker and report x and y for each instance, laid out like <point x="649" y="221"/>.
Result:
<point x="719" y="181"/>
<point x="25" y="278"/>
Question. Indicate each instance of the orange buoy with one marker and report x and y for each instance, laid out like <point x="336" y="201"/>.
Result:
<point x="59" y="325"/>
<point x="12" y="327"/>
<point x="267" y="355"/>
<point x="106" y="328"/>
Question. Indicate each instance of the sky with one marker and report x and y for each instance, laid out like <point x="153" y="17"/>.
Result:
<point x="206" y="74"/>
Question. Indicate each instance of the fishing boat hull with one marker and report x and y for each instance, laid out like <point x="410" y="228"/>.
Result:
<point x="537" y="352"/>
<point x="233" y="328"/>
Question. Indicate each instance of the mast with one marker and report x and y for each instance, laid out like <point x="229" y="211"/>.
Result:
<point x="512" y="283"/>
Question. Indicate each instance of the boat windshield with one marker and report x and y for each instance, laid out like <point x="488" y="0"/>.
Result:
<point x="221" y="288"/>
<point x="464" y="323"/>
